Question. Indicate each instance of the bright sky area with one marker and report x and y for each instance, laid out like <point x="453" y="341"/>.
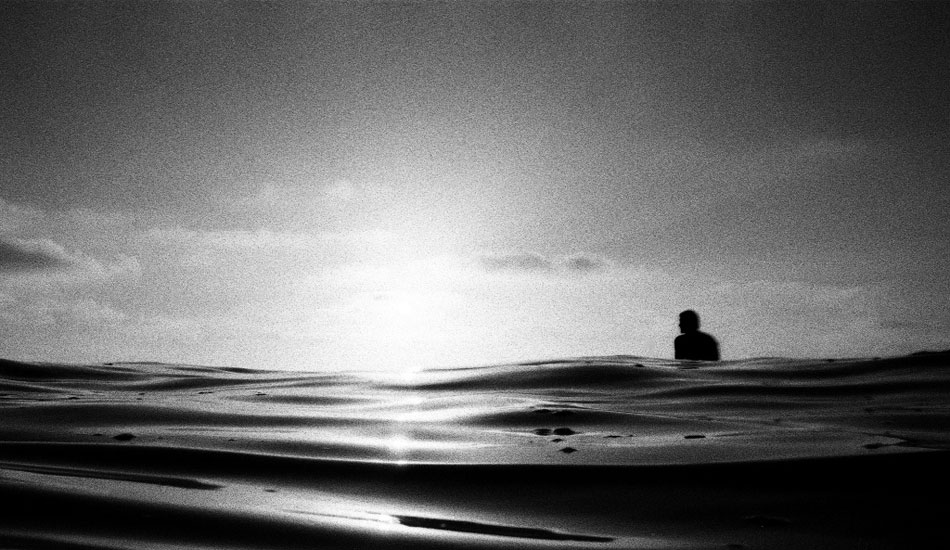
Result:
<point x="350" y="185"/>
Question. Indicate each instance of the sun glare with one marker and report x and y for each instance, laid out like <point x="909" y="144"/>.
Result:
<point x="402" y="316"/>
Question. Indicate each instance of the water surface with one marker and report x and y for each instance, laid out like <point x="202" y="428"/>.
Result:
<point x="603" y="452"/>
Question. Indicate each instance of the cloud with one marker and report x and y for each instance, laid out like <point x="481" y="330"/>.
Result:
<point x="531" y="262"/>
<point x="90" y="269"/>
<point x="526" y="261"/>
<point x="233" y="239"/>
<point x="37" y="264"/>
<point x="581" y="263"/>
<point x="21" y="219"/>
<point x="63" y="308"/>
<point x="264" y="239"/>
<point x="301" y="195"/>
<point x="269" y="197"/>
<point x="88" y="310"/>
<point x="18" y="255"/>
<point x="15" y="216"/>
<point x="31" y="249"/>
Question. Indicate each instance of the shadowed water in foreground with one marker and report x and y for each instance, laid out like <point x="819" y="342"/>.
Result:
<point x="605" y="452"/>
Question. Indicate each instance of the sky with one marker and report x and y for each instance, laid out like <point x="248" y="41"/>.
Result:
<point x="332" y="186"/>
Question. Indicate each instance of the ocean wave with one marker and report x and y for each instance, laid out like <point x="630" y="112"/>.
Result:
<point x="618" y="452"/>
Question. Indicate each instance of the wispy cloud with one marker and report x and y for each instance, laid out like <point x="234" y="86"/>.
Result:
<point x="19" y="255"/>
<point x="15" y="216"/>
<point x="18" y="219"/>
<point x="525" y="261"/>
<point x="583" y="263"/>
<point x="531" y="262"/>
<point x="233" y="239"/>
<point x="294" y="195"/>
<point x="48" y="310"/>
<point x="265" y="239"/>
<point x="45" y="267"/>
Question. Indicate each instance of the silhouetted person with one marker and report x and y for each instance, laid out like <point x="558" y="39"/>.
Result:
<point x="693" y="343"/>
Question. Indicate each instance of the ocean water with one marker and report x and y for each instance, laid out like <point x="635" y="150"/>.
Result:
<point x="600" y="452"/>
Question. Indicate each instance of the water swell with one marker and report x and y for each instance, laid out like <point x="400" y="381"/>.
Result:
<point x="619" y="452"/>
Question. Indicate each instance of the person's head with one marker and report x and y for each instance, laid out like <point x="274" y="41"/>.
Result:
<point x="689" y="321"/>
